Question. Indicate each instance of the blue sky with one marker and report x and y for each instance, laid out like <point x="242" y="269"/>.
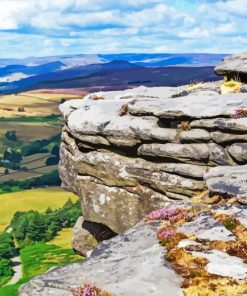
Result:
<point x="52" y="27"/>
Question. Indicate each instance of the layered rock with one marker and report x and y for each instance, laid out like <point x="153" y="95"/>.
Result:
<point x="131" y="152"/>
<point x="234" y="67"/>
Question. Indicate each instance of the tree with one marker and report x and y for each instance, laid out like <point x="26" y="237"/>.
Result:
<point x="55" y="150"/>
<point x="11" y="136"/>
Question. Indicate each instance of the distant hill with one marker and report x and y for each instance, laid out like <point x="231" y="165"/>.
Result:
<point x="71" y="74"/>
<point x="110" y="70"/>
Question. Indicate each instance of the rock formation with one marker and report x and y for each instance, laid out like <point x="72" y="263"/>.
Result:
<point x="132" y="152"/>
<point x="234" y="67"/>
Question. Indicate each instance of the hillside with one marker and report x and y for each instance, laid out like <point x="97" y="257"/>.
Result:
<point x="161" y="174"/>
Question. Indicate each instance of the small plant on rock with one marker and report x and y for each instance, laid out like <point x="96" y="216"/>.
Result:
<point x="90" y="290"/>
<point x="184" y="125"/>
<point x="232" y="86"/>
<point x="240" y="113"/>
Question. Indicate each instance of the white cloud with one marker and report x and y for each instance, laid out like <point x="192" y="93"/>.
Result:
<point x="196" y="33"/>
<point x="82" y="26"/>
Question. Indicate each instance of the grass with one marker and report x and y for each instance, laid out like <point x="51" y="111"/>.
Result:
<point x="36" y="260"/>
<point x="232" y="86"/>
<point x="195" y="86"/>
<point x="43" y="119"/>
<point x="63" y="239"/>
<point x="4" y="280"/>
<point x="38" y="104"/>
<point x="33" y="199"/>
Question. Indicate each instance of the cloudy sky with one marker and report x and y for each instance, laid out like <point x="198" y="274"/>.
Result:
<point x="51" y="27"/>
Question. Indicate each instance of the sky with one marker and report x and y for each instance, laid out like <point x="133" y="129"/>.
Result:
<point x="55" y="27"/>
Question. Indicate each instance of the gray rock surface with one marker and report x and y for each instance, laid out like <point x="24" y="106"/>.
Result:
<point x="228" y="180"/>
<point x="181" y="152"/>
<point x="82" y="240"/>
<point x="190" y="106"/>
<point x="130" y="264"/>
<point x="220" y="137"/>
<point x="206" y="227"/>
<point x="239" y="151"/>
<point x="233" y="65"/>
<point x="223" y="124"/>
<point x="195" y="135"/>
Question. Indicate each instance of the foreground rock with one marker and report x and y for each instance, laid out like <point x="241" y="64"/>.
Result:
<point x="234" y="67"/>
<point x="124" y="266"/>
<point x="205" y="258"/>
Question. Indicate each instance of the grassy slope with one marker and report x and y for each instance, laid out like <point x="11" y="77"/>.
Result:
<point x="35" y="199"/>
<point x="63" y="239"/>
<point x="37" y="259"/>
<point x="34" y="104"/>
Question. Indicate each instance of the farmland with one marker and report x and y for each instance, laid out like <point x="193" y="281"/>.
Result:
<point x="33" y="199"/>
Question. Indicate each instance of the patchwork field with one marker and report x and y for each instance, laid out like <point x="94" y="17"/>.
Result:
<point x="33" y="199"/>
<point x="34" y="104"/>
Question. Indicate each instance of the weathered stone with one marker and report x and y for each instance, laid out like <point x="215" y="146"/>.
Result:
<point x="234" y="66"/>
<point x="118" y="208"/>
<point x="239" y="152"/>
<point x="194" y="135"/>
<point x="218" y="155"/>
<point x="130" y="264"/>
<point x="227" y="180"/>
<point x="206" y="227"/>
<point x="190" y="106"/>
<point x="219" y="263"/>
<point x="238" y="125"/>
<point x="82" y="240"/>
<point x="220" y="137"/>
<point x="181" y="152"/>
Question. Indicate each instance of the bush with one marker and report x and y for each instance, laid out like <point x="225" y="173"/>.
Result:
<point x="32" y="226"/>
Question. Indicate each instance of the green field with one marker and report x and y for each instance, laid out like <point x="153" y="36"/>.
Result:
<point x="36" y="260"/>
<point x="33" y="199"/>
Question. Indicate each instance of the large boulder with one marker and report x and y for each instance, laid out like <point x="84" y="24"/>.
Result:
<point x="234" y="67"/>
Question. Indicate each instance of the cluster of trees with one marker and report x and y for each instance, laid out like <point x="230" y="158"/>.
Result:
<point x="39" y="146"/>
<point x="32" y="226"/>
<point x="54" y="159"/>
<point x="11" y="159"/>
<point x="7" y="248"/>
<point x="11" y="136"/>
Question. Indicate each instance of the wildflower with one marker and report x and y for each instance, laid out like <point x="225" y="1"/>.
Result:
<point x="165" y="234"/>
<point x="164" y="214"/>
<point x="240" y="113"/>
<point x="90" y="290"/>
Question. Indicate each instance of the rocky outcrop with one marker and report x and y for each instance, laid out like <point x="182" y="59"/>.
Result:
<point x="201" y="254"/>
<point x="233" y="67"/>
<point x="179" y="153"/>
<point x="130" y="152"/>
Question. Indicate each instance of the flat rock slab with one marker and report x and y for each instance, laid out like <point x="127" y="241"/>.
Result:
<point x="222" y="264"/>
<point x="194" y="106"/>
<point x="222" y="124"/>
<point x="227" y="180"/>
<point x="130" y="264"/>
<point x="232" y="64"/>
<point x="206" y="227"/>
<point x="239" y="152"/>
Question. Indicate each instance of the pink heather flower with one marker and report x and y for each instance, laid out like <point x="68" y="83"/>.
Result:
<point x="239" y="113"/>
<point x="164" y="214"/>
<point x="165" y="234"/>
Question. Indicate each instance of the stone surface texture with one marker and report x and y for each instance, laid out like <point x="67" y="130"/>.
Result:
<point x="233" y="65"/>
<point x="141" y="149"/>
